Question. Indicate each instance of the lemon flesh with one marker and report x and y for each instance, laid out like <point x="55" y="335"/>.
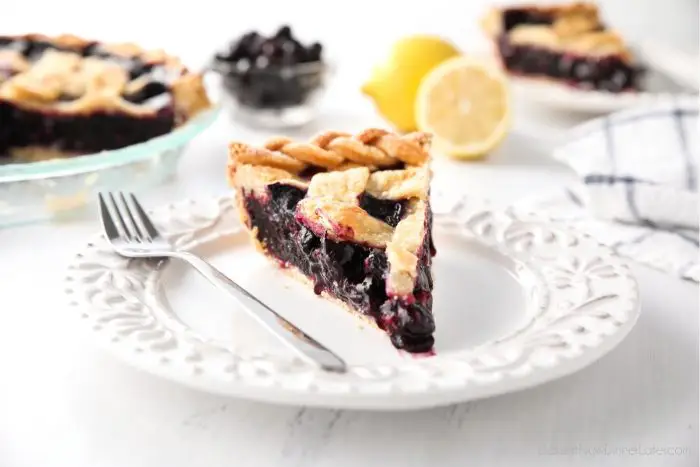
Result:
<point x="465" y="103"/>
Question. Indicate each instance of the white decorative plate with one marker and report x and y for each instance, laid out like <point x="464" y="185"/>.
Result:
<point x="518" y="301"/>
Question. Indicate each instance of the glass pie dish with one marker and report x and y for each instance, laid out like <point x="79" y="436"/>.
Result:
<point x="61" y="188"/>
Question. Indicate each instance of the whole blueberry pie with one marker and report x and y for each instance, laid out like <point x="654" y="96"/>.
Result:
<point x="350" y="214"/>
<point x="66" y="96"/>
<point x="566" y="43"/>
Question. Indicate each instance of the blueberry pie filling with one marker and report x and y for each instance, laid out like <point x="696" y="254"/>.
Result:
<point x="567" y="43"/>
<point x="67" y="96"/>
<point x="359" y="233"/>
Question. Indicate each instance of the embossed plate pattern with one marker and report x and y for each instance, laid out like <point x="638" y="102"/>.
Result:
<point x="579" y="300"/>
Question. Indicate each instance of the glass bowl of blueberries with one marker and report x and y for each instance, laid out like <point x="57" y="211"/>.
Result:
<point x="272" y="82"/>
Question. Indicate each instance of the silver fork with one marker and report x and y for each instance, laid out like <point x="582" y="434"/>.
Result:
<point x="132" y="234"/>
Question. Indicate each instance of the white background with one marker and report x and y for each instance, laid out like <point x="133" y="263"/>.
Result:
<point x="64" y="403"/>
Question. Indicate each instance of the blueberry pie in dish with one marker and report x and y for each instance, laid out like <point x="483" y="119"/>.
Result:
<point x="564" y="43"/>
<point x="349" y="214"/>
<point x="66" y="96"/>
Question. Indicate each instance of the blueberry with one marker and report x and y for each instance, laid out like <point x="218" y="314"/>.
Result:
<point x="249" y="38"/>
<point x="415" y="344"/>
<point x="223" y="57"/>
<point x="615" y="83"/>
<point x="298" y="51"/>
<point x="376" y="263"/>
<point x="566" y="64"/>
<point x="505" y="48"/>
<point x="249" y="45"/>
<point x="288" y="54"/>
<point x="340" y="253"/>
<point x="91" y="49"/>
<point x="235" y="52"/>
<point x="583" y="70"/>
<point x="424" y="279"/>
<point x="285" y="32"/>
<point x="388" y="211"/>
<point x="309" y="241"/>
<point x="262" y="62"/>
<point x="149" y="91"/>
<point x="420" y="321"/>
<point x="314" y="52"/>
<point x="529" y="60"/>
<point x="36" y="49"/>
<point x="286" y="196"/>
<point x="243" y="65"/>
<point x="20" y="46"/>
<point x="268" y="48"/>
<point x="346" y="254"/>
<point x="137" y="68"/>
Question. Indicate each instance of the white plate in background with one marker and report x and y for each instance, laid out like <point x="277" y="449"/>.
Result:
<point x="669" y="73"/>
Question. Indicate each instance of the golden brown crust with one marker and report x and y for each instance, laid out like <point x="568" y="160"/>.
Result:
<point x="583" y="9"/>
<point x="124" y="49"/>
<point x="403" y="249"/>
<point x="576" y="14"/>
<point x="492" y="22"/>
<point x="92" y="83"/>
<point x="575" y="27"/>
<point x="343" y="221"/>
<point x="413" y="182"/>
<point x="576" y="20"/>
<point x="597" y="43"/>
<point x="190" y="96"/>
<point x="541" y="36"/>
<point x="255" y="178"/>
<point x="13" y="60"/>
<point x="240" y="153"/>
<point x="347" y="185"/>
<point x="370" y="148"/>
<point x="314" y="154"/>
<point x="38" y="153"/>
<point x="331" y="206"/>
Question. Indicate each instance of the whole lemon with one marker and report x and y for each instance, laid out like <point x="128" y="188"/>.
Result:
<point x="394" y="84"/>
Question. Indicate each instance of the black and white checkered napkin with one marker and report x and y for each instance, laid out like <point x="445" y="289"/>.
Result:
<point x="639" y="190"/>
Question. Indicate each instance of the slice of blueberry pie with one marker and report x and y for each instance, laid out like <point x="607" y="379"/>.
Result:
<point x="351" y="215"/>
<point x="65" y="96"/>
<point x="566" y="43"/>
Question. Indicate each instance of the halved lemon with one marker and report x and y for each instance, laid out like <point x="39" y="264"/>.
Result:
<point x="465" y="103"/>
<point x="394" y="82"/>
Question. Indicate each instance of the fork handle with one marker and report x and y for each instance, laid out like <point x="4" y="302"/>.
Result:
<point x="307" y="347"/>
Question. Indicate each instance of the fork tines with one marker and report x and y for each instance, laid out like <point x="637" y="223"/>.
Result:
<point x="124" y="217"/>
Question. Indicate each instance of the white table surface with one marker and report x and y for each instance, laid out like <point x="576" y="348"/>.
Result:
<point x="63" y="402"/>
